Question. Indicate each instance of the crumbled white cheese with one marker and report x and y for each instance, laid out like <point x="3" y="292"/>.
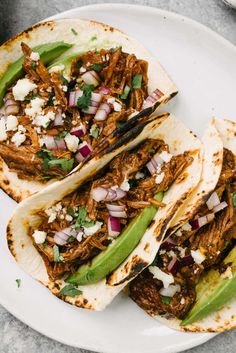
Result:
<point x="35" y="107"/>
<point x="117" y="107"/>
<point x="92" y="230"/>
<point x="18" y="138"/>
<point x="181" y="251"/>
<point x="125" y="186"/>
<point x="80" y="236"/>
<point x="198" y="256"/>
<point x="82" y="70"/>
<point x="62" y="216"/>
<point x="53" y="211"/>
<point x="68" y="218"/>
<point x="21" y="128"/>
<point x="182" y="301"/>
<point x="34" y="56"/>
<point x="72" y="142"/>
<point x="139" y="175"/>
<point x="187" y="227"/>
<point x="178" y="233"/>
<point x="58" y="206"/>
<point x="171" y="253"/>
<point x="39" y="236"/>
<point x="56" y="68"/>
<point x="228" y="273"/>
<point x="159" y="178"/>
<point x="42" y="120"/>
<point x="111" y="100"/>
<point x="162" y="251"/>
<point x="52" y="217"/>
<point x="22" y="88"/>
<point x="11" y="123"/>
<point x="3" y="134"/>
<point x="166" y="279"/>
<point x="165" y="156"/>
<point x="37" y="129"/>
<point x="64" y="88"/>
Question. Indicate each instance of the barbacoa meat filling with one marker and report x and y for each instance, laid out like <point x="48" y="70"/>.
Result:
<point x="80" y="226"/>
<point x="52" y="119"/>
<point x="188" y="253"/>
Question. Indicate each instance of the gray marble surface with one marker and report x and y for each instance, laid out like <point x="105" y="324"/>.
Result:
<point x="15" y="16"/>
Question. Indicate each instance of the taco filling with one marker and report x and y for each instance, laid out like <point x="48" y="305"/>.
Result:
<point x="85" y="222"/>
<point x="168" y="286"/>
<point x="53" y="117"/>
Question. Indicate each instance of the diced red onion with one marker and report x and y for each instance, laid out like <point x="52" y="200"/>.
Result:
<point x="114" y="226"/>
<point x="220" y="207"/>
<point x="173" y="266"/>
<point x="94" y="104"/>
<point x="152" y="98"/>
<point x="102" y="112"/>
<point x="119" y="194"/>
<point x="151" y="168"/>
<point x="74" y="96"/>
<point x="170" y="291"/>
<point x="61" y="145"/>
<point x="78" y="131"/>
<point x="187" y="260"/>
<point x="99" y="194"/>
<point x="49" y="142"/>
<point x="118" y="214"/>
<point x="61" y="238"/>
<point x="58" y="121"/>
<point x="111" y="195"/>
<point x="213" y="201"/>
<point x="90" y="110"/>
<point x="154" y="163"/>
<point x="157" y="158"/>
<point x="115" y="207"/>
<point x="84" y="151"/>
<point x="91" y="78"/>
<point x="200" y="222"/>
<point x="104" y="90"/>
<point x="168" y="244"/>
<point x="96" y="97"/>
<point x="10" y="105"/>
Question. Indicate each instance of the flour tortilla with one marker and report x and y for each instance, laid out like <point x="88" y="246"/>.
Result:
<point x="99" y="295"/>
<point x="225" y="318"/>
<point x="63" y="30"/>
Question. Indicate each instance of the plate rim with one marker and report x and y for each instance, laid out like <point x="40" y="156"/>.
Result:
<point x="203" y="337"/>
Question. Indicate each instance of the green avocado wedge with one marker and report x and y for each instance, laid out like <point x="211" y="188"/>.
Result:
<point x="109" y="259"/>
<point x="48" y="52"/>
<point x="66" y="62"/>
<point x="213" y="291"/>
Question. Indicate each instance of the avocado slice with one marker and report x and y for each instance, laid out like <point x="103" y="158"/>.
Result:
<point x="213" y="291"/>
<point x="109" y="259"/>
<point x="48" y="52"/>
<point x="66" y="62"/>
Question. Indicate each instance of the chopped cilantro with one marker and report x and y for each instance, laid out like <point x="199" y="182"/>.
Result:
<point x="44" y="153"/>
<point x="120" y="124"/>
<point x="88" y="224"/>
<point x="137" y="81"/>
<point x="155" y="261"/>
<point x="165" y="299"/>
<point x="64" y="80"/>
<point x="152" y="150"/>
<point x="234" y="199"/>
<point x="70" y="290"/>
<point x="45" y="245"/>
<point x="56" y="254"/>
<point x="97" y="67"/>
<point x="84" y="101"/>
<point x="33" y="65"/>
<point x="70" y="211"/>
<point x="18" y="282"/>
<point x="82" y="220"/>
<point x="94" y="37"/>
<point x="65" y="164"/>
<point x="78" y="64"/>
<point x="51" y="101"/>
<point x="70" y="239"/>
<point x="95" y="132"/>
<point x="74" y="31"/>
<point x="61" y="135"/>
<point x="125" y="92"/>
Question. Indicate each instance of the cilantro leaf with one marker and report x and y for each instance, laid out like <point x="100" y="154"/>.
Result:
<point x="88" y="224"/>
<point x="33" y="65"/>
<point x="94" y="132"/>
<point x="94" y="37"/>
<point x="84" y="101"/>
<point x="97" y="67"/>
<point x="64" y="80"/>
<point x="137" y="81"/>
<point x="234" y="199"/>
<point x="61" y="135"/>
<point x="65" y="164"/>
<point x="155" y="261"/>
<point x="70" y="211"/>
<point x="152" y="150"/>
<point x="44" y="153"/>
<point x="125" y="92"/>
<point x="70" y="290"/>
<point x="74" y="31"/>
<point x="165" y="299"/>
<point x="81" y="217"/>
<point x="56" y="254"/>
<point x="18" y="282"/>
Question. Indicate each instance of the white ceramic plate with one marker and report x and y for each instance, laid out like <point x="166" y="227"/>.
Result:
<point x="203" y="65"/>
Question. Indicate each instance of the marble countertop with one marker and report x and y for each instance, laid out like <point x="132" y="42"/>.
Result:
<point x="15" y="16"/>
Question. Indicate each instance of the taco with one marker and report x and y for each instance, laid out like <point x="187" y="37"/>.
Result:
<point x="76" y="235"/>
<point x="191" y="282"/>
<point x="64" y="100"/>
